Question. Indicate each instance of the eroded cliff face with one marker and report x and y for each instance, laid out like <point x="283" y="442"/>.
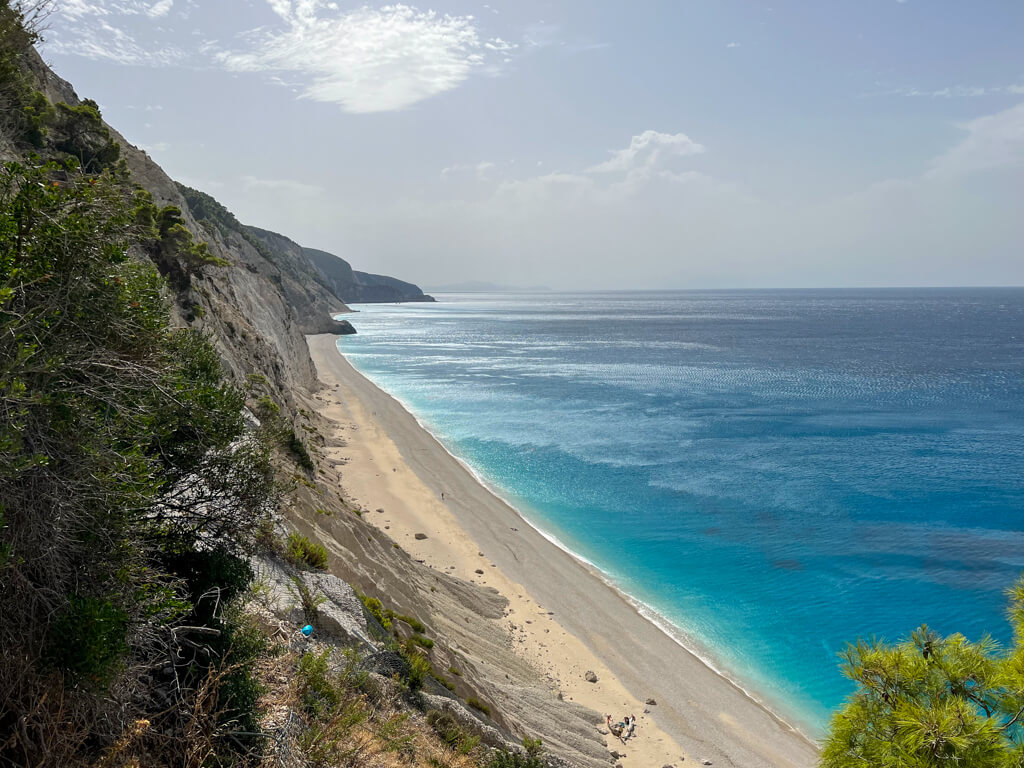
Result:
<point x="258" y="308"/>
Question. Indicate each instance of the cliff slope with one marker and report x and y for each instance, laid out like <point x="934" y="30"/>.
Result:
<point x="257" y="295"/>
<point x="357" y="287"/>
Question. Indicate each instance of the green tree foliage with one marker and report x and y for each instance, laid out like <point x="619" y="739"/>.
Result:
<point x="24" y="111"/>
<point x="168" y="242"/>
<point x="79" y="131"/>
<point x="176" y="240"/>
<point x="932" y="702"/>
<point x="130" y="485"/>
<point x="89" y="639"/>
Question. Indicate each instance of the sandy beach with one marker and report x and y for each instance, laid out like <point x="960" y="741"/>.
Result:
<point x="563" y="618"/>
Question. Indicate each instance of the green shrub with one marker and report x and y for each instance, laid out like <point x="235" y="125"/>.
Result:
<point x="454" y="671"/>
<point x="79" y="131"/>
<point x="421" y="641"/>
<point x="240" y="644"/>
<point x="533" y="747"/>
<point x="25" y="110"/>
<point x="318" y="692"/>
<point x="216" y="572"/>
<point x="122" y="446"/>
<point x="300" y="452"/>
<point x="88" y="640"/>
<point x="265" y="538"/>
<point x="504" y="758"/>
<point x="451" y="733"/>
<point x="376" y="609"/>
<point x="302" y="552"/>
<point x="478" y="705"/>
<point x="310" y="603"/>
<point x="415" y="624"/>
<point x="419" y="669"/>
<point x="335" y="706"/>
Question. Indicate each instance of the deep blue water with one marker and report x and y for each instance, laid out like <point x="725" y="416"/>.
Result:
<point x="776" y="473"/>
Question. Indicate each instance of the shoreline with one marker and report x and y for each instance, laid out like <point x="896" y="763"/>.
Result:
<point x="700" y="711"/>
<point x="646" y="611"/>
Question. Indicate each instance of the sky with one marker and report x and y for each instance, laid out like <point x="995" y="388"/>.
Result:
<point x="588" y="144"/>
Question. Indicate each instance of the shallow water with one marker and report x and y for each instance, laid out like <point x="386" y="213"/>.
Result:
<point x="776" y="473"/>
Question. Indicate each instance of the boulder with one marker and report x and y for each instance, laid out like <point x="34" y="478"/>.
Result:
<point x="340" y="614"/>
<point x="591" y="676"/>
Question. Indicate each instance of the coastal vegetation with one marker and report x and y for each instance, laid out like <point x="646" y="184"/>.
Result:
<point x="131" y="484"/>
<point x="300" y="551"/>
<point x="132" y="487"/>
<point x="933" y="701"/>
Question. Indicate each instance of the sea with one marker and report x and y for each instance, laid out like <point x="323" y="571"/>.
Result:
<point x="769" y="475"/>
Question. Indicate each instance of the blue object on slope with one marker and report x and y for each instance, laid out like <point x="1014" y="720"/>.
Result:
<point x="307" y="630"/>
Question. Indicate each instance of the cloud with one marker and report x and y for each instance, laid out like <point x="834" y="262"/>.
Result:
<point x="646" y="150"/>
<point x="102" y="41"/>
<point x="287" y="186"/>
<point x="481" y="169"/>
<point x="958" y="91"/>
<point x="79" y="9"/>
<point x="365" y="59"/>
<point x="992" y="142"/>
<point x="160" y="8"/>
<point x="368" y="59"/>
<point x="733" y="45"/>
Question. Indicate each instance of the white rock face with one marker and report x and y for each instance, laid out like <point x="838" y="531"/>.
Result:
<point x="339" y="612"/>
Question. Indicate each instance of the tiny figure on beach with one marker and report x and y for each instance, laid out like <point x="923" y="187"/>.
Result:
<point x="630" y="727"/>
<point x="618" y="730"/>
<point x="442" y="495"/>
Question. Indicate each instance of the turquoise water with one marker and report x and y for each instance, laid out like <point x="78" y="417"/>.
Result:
<point x="774" y="473"/>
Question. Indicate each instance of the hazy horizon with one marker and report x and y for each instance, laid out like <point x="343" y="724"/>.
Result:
<point x="705" y="145"/>
<point x="427" y="287"/>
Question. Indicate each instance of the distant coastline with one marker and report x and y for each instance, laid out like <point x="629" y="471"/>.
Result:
<point x="479" y="286"/>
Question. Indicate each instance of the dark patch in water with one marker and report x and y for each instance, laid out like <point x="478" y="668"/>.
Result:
<point x="788" y="565"/>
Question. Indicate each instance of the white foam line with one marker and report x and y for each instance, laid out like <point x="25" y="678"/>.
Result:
<point x="674" y="632"/>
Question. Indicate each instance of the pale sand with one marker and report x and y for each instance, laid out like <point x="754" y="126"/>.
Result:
<point x="566" y="619"/>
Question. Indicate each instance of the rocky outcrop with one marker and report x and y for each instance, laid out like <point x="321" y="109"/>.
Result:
<point x="331" y="325"/>
<point x="339" y="613"/>
<point x="353" y="287"/>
